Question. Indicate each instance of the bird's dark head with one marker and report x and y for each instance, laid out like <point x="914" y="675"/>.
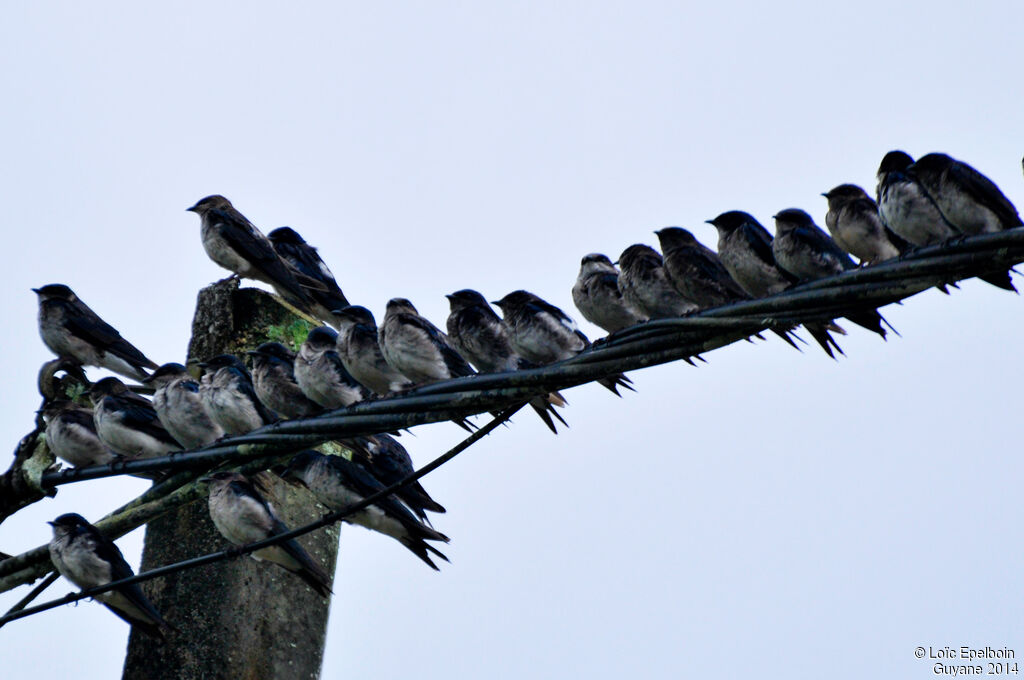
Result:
<point x="222" y="361"/>
<point x="67" y="523"/>
<point x="595" y="258"/>
<point x="54" y="407"/>
<point x="933" y="162"/>
<point x="55" y="291"/>
<point x="322" y="338"/>
<point x="515" y="300"/>
<point x="596" y="262"/>
<point x="286" y="236"/>
<point x="895" y="161"/>
<point x="300" y="467"/>
<point x="105" y="388"/>
<point x="675" y="237"/>
<point x="205" y="205"/>
<point x="637" y="253"/>
<point x="223" y="477"/>
<point x="354" y="314"/>
<point x="792" y="218"/>
<point x="272" y="350"/>
<point x="845" y="192"/>
<point x="729" y="222"/>
<point x="400" y="306"/>
<point x="464" y="298"/>
<point x="165" y="374"/>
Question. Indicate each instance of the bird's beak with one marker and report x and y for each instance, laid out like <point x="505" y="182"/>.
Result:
<point x="193" y="208"/>
<point x="36" y="291"/>
<point x="825" y="195"/>
<point x="205" y="480"/>
<point x="711" y="222"/>
<point x="52" y="524"/>
<point x="450" y="297"/>
<point x="147" y="380"/>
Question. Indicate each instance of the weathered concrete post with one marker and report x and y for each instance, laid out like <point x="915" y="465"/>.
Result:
<point x="238" y="618"/>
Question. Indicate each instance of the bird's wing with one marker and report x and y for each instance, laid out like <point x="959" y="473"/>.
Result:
<point x="141" y="417"/>
<point x="84" y="324"/>
<point x="825" y="251"/>
<point x="985" y="191"/>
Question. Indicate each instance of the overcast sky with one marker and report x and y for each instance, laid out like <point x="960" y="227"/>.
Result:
<point x="769" y="514"/>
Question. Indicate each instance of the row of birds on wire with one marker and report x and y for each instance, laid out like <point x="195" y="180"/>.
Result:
<point x="926" y="202"/>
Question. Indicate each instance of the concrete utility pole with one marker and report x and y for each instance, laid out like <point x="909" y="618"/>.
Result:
<point x="238" y="618"/>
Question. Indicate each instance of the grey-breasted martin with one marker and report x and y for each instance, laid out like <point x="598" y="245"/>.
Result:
<point x="304" y="259"/>
<point x="359" y="349"/>
<point x="905" y="207"/>
<point x="73" y="331"/>
<point x="383" y="457"/>
<point x="181" y="408"/>
<point x="227" y="389"/>
<point x="88" y="559"/>
<point x="233" y="242"/>
<point x="969" y="200"/>
<point x="273" y="376"/>
<point x="857" y="228"/>
<point x="71" y="435"/>
<point x="543" y="333"/>
<point x="321" y="374"/>
<point x="807" y="252"/>
<point x="337" y="483"/>
<point x="127" y="422"/>
<point x="596" y="294"/>
<point x="243" y="516"/>
<point x="645" y="286"/>
<point x="417" y="348"/>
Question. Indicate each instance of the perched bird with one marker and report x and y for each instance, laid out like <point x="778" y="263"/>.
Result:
<point x="360" y="353"/>
<point x="73" y="331"/>
<point x="181" y="408"/>
<point x="856" y="227"/>
<point x="905" y="207"/>
<point x="127" y="422"/>
<point x="417" y="348"/>
<point x="543" y="333"/>
<point x="71" y="435"/>
<point x="479" y="335"/>
<point x="233" y="242"/>
<point x="337" y="483"/>
<point x="88" y="559"/>
<point x="243" y="516"/>
<point x="969" y="200"/>
<point x="645" y="286"/>
<point x="745" y="249"/>
<point x="273" y="376"/>
<point x="596" y="294"/>
<point x="383" y="457"/>
<point x="304" y="259"/>
<point x="805" y="251"/>
<point x="228" y="392"/>
<point x="695" y="270"/>
<point x="321" y="374"/>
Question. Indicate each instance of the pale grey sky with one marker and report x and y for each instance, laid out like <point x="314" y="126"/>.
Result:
<point x="770" y="514"/>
